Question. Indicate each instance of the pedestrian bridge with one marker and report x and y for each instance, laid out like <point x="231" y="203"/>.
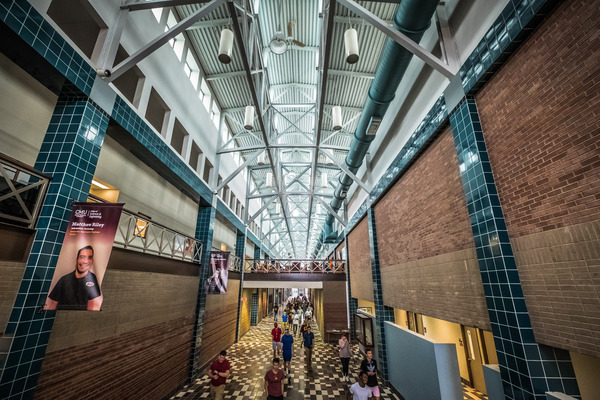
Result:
<point x="294" y="266"/>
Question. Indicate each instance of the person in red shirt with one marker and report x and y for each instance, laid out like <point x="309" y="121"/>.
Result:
<point x="218" y="372"/>
<point x="274" y="382"/>
<point x="276" y="333"/>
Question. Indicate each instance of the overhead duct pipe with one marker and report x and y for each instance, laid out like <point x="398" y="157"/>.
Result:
<point x="412" y="19"/>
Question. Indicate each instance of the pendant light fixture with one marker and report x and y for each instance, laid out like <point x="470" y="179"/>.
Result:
<point x="324" y="180"/>
<point x="336" y="112"/>
<point x="269" y="179"/>
<point x="225" y="46"/>
<point x="249" y="118"/>
<point x="351" y="45"/>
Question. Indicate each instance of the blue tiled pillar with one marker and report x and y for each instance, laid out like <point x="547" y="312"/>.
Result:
<point x="528" y="370"/>
<point x="69" y="154"/>
<point x="240" y="251"/>
<point x="382" y="313"/>
<point x="205" y="226"/>
<point x="254" y="310"/>
<point x="352" y="302"/>
<point x="257" y="252"/>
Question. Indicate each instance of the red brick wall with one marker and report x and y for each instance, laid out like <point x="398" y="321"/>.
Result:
<point x="146" y="363"/>
<point x="220" y="319"/>
<point x="541" y="121"/>
<point x="361" y="277"/>
<point x="426" y="248"/>
<point x="541" y="124"/>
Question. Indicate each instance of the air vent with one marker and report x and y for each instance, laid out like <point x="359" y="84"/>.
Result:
<point x="373" y="126"/>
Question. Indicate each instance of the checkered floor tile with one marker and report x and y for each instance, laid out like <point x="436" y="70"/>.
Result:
<point x="251" y="357"/>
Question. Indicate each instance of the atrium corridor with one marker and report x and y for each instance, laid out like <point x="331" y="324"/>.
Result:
<point x="251" y="357"/>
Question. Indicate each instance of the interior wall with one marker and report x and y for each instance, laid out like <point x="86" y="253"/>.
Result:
<point x="426" y="248"/>
<point x="334" y="305"/>
<point x="144" y="190"/>
<point x="245" y="311"/>
<point x="540" y="123"/>
<point x="26" y="107"/>
<point x="223" y="234"/>
<point x="148" y="316"/>
<point x="448" y="332"/>
<point x="220" y="320"/>
<point x="12" y="274"/>
<point x="359" y="254"/>
<point x="587" y="370"/>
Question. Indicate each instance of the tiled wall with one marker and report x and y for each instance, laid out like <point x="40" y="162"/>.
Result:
<point x="244" y="321"/>
<point x="426" y="251"/>
<point x="540" y="121"/>
<point x="360" y="262"/>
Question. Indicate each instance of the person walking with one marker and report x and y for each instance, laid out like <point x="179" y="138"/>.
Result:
<point x="287" y="342"/>
<point x="369" y="365"/>
<point x="284" y="320"/>
<point x="303" y="329"/>
<point x="274" y="382"/>
<point x="276" y="334"/>
<point x="309" y="338"/>
<point x="345" y="354"/>
<point x="218" y="372"/>
<point x="275" y="311"/>
<point x="296" y="322"/>
<point x="360" y="390"/>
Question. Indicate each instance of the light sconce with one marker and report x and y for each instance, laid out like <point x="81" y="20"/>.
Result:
<point x="336" y="113"/>
<point x="249" y="118"/>
<point x="351" y="45"/>
<point x="225" y="46"/>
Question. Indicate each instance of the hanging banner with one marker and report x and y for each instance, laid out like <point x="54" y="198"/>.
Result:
<point x="219" y="264"/>
<point x="77" y="280"/>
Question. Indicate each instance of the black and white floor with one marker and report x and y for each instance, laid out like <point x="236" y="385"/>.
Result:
<point x="251" y="357"/>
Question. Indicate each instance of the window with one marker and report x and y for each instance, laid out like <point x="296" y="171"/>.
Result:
<point x="215" y="115"/>
<point x="157" y="13"/>
<point x="191" y="69"/>
<point x="205" y="94"/>
<point x="207" y="170"/>
<point x="363" y="329"/>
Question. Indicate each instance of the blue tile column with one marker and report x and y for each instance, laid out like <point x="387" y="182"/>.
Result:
<point x="69" y="154"/>
<point x="254" y="310"/>
<point x="528" y="369"/>
<point x="257" y="252"/>
<point x="205" y="226"/>
<point x="383" y="313"/>
<point x="352" y="302"/>
<point x="240" y="251"/>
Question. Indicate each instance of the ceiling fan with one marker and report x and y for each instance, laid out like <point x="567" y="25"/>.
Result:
<point x="279" y="43"/>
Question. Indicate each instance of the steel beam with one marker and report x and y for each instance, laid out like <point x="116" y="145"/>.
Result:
<point x="346" y="170"/>
<point x="239" y="169"/>
<point x="158" y="42"/>
<point x="401" y="39"/>
<point x="137" y="5"/>
<point x="264" y="206"/>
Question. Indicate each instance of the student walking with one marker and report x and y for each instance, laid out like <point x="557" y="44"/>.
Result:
<point x="309" y="338"/>
<point x="274" y="382"/>
<point x="345" y="354"/>
<point x="218" y="372"/>
<point x="276" y="334"/>
<point x="287" y="342"/>
<point x="369" y="365"/>
<point x="296" y="322"/>
<point x="360" y="390"/>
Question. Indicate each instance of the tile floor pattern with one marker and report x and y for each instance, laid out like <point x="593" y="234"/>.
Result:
<point x="251" y="357"/>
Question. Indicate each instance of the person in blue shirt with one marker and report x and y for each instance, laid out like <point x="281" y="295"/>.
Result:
<point x="287" y="341"/>
<point x="309" y="338"/>
<point x="284" y="319"/>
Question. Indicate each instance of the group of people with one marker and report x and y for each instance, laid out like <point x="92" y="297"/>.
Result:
<point x="298" y="312"/>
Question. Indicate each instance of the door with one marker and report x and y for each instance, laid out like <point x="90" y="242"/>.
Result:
<point x="474" y="358"/>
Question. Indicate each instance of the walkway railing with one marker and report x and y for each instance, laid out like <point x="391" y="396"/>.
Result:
<point x="235" y="264"/>
<point x="295" y="266"/>
<point x="140" y="234"/>
<point x="22" y="192"/>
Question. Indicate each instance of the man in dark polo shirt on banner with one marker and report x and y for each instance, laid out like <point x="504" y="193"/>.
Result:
<point x="218" y="372"/>
<point x="78" y="290"/>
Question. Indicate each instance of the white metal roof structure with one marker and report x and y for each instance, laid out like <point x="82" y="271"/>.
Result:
<point x="293" y="155"/>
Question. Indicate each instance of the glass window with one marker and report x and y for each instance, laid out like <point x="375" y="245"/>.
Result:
<point x="157" y="13"/>
<point x="191" y="69"/>
<point x="215" y="115"/>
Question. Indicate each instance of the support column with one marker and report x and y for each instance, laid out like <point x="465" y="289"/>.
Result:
<point x="257" y="252"/>
<point x="254" y="309"/>
<point x="240" y="250"/>
<point x="205" y="226"/>
<point x="352" y="302"/>
<point x="528" y="369"/>
<point x="383" y="313"/>
<point x="69" y="154"/>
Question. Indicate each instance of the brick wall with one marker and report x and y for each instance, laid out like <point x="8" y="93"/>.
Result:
<point x="11" y="273"/>
<point x="361" y="277"/>
<point x="145" y="363"/>
<point x="143" y="332"/>
<point x="539" y="115"/>
<point x="334" y="305"/>
<point x="220" y="319"/>
<point x="426" y="248"/>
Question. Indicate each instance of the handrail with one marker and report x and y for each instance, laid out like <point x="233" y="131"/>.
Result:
<point x="137" y="233"/>
<point x="22" y="192"/>
<point x="235" y="264"/>
<point x="295" y="266"/>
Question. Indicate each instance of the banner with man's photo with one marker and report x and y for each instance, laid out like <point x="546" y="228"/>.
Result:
<point x="86" y="248"/>
<point x="219" y="264"/>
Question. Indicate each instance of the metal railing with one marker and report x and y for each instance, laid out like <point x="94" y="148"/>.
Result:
<point x="22" y="192"/>
<point x="141" y="234"/>
<point x="235" y="264"/>
<point x="295" y="266"/>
